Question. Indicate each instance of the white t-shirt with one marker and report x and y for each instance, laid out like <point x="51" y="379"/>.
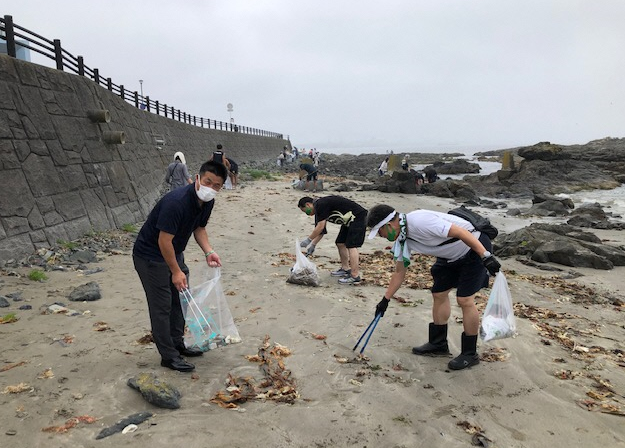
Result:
<point x="427" y="229"/>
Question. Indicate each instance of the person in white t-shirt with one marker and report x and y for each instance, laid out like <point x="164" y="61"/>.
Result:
<point x="463" y="261"/>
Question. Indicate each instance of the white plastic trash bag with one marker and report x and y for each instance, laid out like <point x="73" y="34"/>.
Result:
<point x="498" y="321"/>
<point x="209" y="323"/>
<point x="304" y="272"/>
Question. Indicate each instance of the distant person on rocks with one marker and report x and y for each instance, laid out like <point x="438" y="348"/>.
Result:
<point x="234" y="172"/>
<point x="311" y="174"/>
<point x="430" y="174"/>
<point x="419" y="179"/>
<point x="404" y="163"/>
<point x="316" y="158"/>
<point x="220" y="156"/>
<point x="383" y="167"/>
<point x="463" y="261"/>
<point x="295" y="154"/>
<point x="351" y="217"/>
<point x="158" y="256"/>
<point x="177" y="173"/>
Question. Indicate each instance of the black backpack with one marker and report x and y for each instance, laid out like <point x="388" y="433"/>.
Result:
<point x="478" y="221"/>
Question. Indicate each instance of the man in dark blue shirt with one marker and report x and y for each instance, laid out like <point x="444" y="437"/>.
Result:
<point x="311" y="174"/>
<point x="159" y="260"/>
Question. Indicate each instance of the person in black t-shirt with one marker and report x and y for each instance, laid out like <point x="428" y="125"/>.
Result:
<point x="220" y="156"/>
<point x="352" y="219"/>
<point x="158" y="256"/>
<point x="312" y="173"/>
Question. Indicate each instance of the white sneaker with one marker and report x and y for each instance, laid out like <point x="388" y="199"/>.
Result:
<point x="349" y="280"/>
<point x="341" y="273"/>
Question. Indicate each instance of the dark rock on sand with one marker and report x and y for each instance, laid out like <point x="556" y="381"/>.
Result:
<point x="561" y="244"/>
<point x="458" y="166"/>
<point x="157" y="392"/>
<point x="4" y="303"/>
<point x="88" y="292"/>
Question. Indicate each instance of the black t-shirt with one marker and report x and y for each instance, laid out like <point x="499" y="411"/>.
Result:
<point x="338" y="210"/>
<point x="310" y="169"/>
<point x="218" y="156"/>
<point x="178" y="213"/>
<point x="233" y="165"/>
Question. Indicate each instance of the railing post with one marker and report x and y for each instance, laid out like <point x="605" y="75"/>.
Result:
<point x="81" y="66"/>
<point x="194" y="124"/>
<point x="147" y="103"/>
<point x="9" y="34"/>
<point x="165" y="109"/>
<point x="136" y="95"/>
<point x="122" y="92"/>
<point x="58" y="55"/>
<point x="96" y="76"/>
<point x="109" y="84"/>
<point x="157" y="108"/>
<point x="178" y="114"/>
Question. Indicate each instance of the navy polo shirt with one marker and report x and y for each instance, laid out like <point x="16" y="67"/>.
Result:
<point x="178" y="213"/>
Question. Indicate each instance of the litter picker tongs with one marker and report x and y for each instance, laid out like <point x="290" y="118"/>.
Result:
<point x="374" y="322"/>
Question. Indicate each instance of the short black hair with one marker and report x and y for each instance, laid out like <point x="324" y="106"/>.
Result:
<point x="305" y="200"/>
<point x="218" y="169"/>
<point x="377" y="214"/>
<point x="219" y="146"/>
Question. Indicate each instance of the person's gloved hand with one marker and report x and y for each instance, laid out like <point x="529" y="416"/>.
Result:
<point x="305" y="243"/>
<point x="381" y="307"/>
<point x="492" y="265"/>
<point x="311" y="250"/>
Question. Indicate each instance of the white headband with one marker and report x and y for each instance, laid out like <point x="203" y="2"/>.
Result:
<point x="374" y="230"/>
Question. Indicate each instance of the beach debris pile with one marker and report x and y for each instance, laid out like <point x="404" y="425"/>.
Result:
<point x="125" y="425"/>
<point x="69" y="424"/>
<point x="379" y="266"/>
<point x="478" y="438"/>
<point x="277" y="383"/>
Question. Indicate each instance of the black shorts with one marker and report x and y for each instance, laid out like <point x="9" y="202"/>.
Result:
<point x="312" y="176"/>
<point x="467" y="274"/>
<point x="354" y="235"/>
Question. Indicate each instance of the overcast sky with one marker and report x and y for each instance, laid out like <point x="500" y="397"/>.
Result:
<point x="492" y="73"/>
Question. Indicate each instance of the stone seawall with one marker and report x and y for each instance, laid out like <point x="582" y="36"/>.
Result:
<point x="59" y="179"/>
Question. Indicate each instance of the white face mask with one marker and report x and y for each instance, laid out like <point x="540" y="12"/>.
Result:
<point x="206" y="194"/>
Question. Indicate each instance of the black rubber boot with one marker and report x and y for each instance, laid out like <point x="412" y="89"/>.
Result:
<point x="437" y="343"/>
<point x="468" y="357"/>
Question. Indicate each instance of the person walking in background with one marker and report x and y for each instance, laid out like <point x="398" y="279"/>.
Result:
<point x="158" y="258"/>
<point x="234" y="172"/>
<point x="404" y="163"/>
<point x="220" y="156"/>
<point x="383" y="167"/>
<point x="177" y="173"/>
<point x="351" y="217"/>
<point x="463" y="261"/>
<point x="311" y="174"/>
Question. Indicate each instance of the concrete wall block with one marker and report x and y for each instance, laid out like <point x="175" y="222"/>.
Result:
<point x="77" y="228"/>
<point x="15" y="196"/>
<point x="15" y="225"/>
<point x="69" y="104"/>
<point x="35" y="220"/>
<point x="96" y="211"/>
<point x="5" y="129"/>
<point x="122" y="215"/>
<point x="56" y="234"/>
<point x="45" y="204"/>
<point x="38" y="147"/>
<point x="27" y="74"/>
<point x="74" y="177"/>
<point x="15" y="125"/>
<point x="73" y="157"/>
<point x="59" y="155"/>
<point x="3" y="234"/>
<point x="111" y="198"/>
<point x="22" y="149"/>
<point x="43" y="178"/>
<point x="31" y="103"/>
<point x="69" y="205"/>
<point x="6" y="98"/>
<point x="99" y="152"/>
<point x="8" y="156"/>
<point x="38" y="236"/>
<point x="58" y="80"/>
<point x="68" y="130"/>
<point x="29" y="128"/>
<point x="99" y="171"/>
<point x="52" y="218"/>
<point x="7" y="68"/>
<point x="15" y="247"/>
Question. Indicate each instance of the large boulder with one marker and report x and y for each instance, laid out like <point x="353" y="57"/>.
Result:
<point x="561" y="244"/>
<point x="543" y="151"/>
<point x="458" y="166"/>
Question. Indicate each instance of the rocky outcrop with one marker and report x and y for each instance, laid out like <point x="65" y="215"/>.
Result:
<point x="457" y="166"/>
<point x="561" y="244"/>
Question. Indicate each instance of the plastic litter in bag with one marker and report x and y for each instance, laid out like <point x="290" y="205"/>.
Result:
<point x="304" y="272"/>
<point x="498" y="321"/>
<point x="209" y="322"/>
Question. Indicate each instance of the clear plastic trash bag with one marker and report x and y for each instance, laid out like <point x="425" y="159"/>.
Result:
<point x="498" y="321"/>
<point x="304" y="272"/>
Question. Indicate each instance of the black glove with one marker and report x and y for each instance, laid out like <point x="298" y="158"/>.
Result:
<point x="381" y="307"/>
<point x="491" y="264"/>
<point x="310" y="250"/>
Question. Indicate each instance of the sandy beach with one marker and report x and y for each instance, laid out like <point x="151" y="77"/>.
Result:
<point x="559" y="383"/>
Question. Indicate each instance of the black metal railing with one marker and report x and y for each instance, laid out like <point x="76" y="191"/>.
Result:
<point x="63" y="59"/>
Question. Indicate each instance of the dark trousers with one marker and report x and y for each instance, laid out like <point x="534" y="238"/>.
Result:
<point x="163" y="304"/>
